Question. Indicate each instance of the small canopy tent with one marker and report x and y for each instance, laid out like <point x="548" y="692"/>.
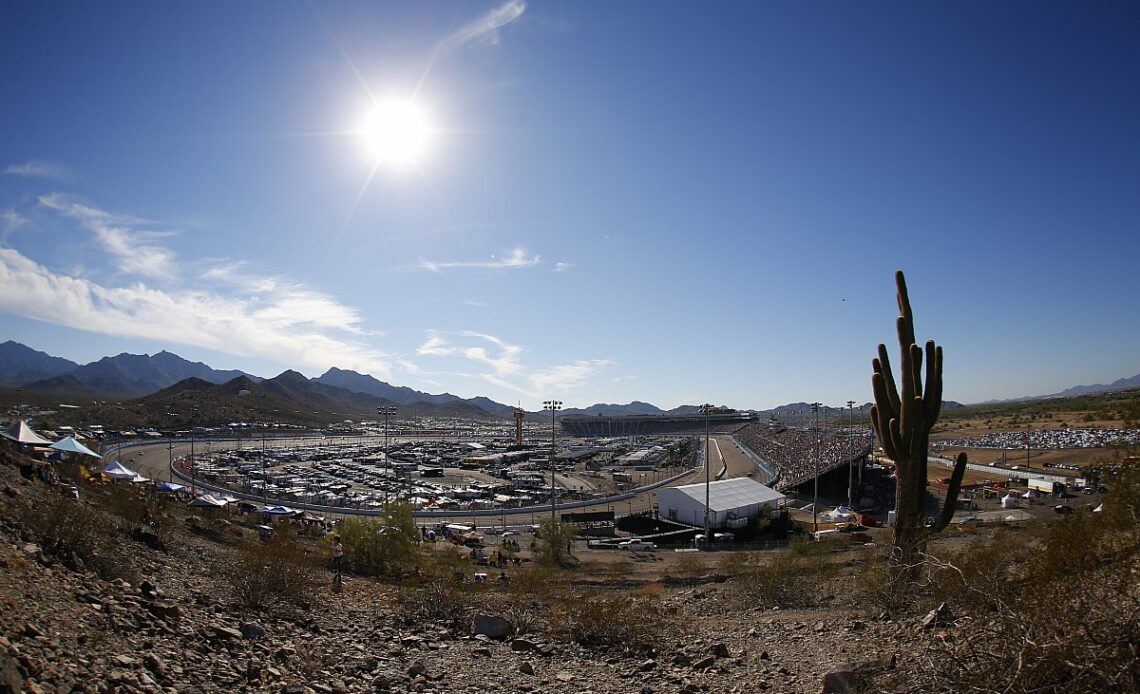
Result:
<point x="840" y="514"/>
<point x="278" y="511"/>
<point x="116" y="471"/>
<point x="70" y="445"/>
<point x="207" y="501"/>
<point x="21" y="433"/>
<point x="169" y="488"/>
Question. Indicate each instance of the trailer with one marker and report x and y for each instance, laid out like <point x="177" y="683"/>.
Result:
<point x="1045" y="486"/>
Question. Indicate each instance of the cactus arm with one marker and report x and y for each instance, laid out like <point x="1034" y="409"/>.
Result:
<point x="883" y="366"/>
<point x="933" y="399"/>
<point x="952" y="493"/>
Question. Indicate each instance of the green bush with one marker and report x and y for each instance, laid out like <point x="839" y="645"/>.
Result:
<point x="554" y="541"/>
<point x="380" y="547"/>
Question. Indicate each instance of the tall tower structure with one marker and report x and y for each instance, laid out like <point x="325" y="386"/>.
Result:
<point x="520" y="414"/>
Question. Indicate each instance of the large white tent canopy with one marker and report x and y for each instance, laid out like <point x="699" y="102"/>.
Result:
<point x="20" y="432"/>
<point x="739" y="497"/>
<point x="70" y="445"/>
<point x="117" y="471"/>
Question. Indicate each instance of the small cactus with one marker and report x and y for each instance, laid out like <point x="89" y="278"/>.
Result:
<point x="903" y="422"/>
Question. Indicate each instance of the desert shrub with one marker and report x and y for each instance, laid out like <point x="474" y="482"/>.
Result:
<point x="435" y="600"/>
<point x="597" y="619"/>
<point x="383" y="546"/>
<point x="529" y="593"/>
<point x="692" y="564"/>
<point x="270" y="571"/>
<point x="144" y="515"/>
<point x="1062" y="616"/>
<point x="554" y="540"/>
<point x="77" y="534"/>
<point x="787" y="579"/>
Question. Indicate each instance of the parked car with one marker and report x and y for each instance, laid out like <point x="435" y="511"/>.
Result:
<point x="636" y="544"/>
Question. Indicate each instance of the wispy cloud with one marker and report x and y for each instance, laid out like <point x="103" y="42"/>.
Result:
<point x="39" y="168"/>
<point x="562" y="267"/>
<point x="503" y="367"/>
<point x="517" y="259"/>
<point x="122" y="236"/>
<point x="485" y="29"/>
<point x="227" y="308"/>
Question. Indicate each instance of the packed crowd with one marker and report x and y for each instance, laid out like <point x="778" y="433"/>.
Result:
<point x="1051" y="438"/>
<point x="793" y="452"/>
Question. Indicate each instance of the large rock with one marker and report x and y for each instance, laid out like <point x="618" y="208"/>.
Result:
<point x="840" y="679"/>
<point x="10" y="680"/>
<point x="492" y="626"/>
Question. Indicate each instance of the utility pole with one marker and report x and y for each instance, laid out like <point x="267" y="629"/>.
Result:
<point x="850" y="452"/>
<point x="815" y="500"/>
<point x="707" y="409"/>
<point x="553" y="406"/>
<point x="387" y="412"/>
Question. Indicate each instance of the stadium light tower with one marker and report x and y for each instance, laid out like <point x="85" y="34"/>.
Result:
<point x="851" y="460"/>
<point x="386" y="412"/>
<point x="815" y="500"/>
<point x="553" y="406"/>
<point x="707" y="409"/>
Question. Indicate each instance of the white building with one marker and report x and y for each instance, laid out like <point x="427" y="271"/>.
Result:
<point x="732" y="502"/>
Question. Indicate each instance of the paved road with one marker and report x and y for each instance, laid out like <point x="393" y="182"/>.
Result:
<point x="153" y="462"/>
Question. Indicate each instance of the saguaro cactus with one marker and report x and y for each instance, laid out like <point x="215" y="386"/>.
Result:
<point x="903" y="422"/>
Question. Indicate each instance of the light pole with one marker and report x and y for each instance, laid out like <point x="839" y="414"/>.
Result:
<point x="851" y="460"/>
<point x="386" y="412"/>
<point x="553" y="406"/>
<point x="815" y="499"/>
<point x="706" y="409"/>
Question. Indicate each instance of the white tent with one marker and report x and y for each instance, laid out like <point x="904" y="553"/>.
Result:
<point x="731" y="499"/>
<point x="1009" y="501"/>
<point x="116" y="471"/>
<point x="20" y="432"/>
<point x="840" y="514"/>
<point x="70" y="445"/>
<point x="207" y="501"/>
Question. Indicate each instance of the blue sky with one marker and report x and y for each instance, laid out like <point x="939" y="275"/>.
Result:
<point x="671" y="202"/>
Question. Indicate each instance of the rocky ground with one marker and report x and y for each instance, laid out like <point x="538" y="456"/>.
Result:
<point x="174" y="628"/>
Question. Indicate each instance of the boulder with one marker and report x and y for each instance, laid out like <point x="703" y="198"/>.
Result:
<point x="492" y="626"/>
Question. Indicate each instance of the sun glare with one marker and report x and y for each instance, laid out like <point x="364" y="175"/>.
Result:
<point x="397" y="133"/>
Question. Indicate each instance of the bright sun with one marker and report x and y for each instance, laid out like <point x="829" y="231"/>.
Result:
<point x="397" y="133"/>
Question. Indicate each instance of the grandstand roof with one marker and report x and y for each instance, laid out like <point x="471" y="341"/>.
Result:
<point x="726" y="495"/>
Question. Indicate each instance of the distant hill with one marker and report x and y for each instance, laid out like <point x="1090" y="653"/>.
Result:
<point x="136" y="375"/>
<point x="610" y="410"/>
<point x="20" y="364"/>
<point x="1119" y="384"/>
<point x="402" y="395"/>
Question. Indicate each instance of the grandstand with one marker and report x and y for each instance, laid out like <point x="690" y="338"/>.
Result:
<point x="720" y="422"/>
<point x="792" y="452"/>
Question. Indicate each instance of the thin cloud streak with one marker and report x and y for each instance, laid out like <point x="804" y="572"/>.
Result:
<point x="485" y="29"/>
<point x="506" y="369"/>
<point x="119" y="236"/>
<point x="517" y="260"/>
<point x="39" y="168"/>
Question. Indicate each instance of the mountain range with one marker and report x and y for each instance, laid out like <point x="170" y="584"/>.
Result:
<point x="165" y="379"/>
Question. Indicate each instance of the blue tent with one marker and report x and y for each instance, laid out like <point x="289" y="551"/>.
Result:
<point x="169" y="487"/>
